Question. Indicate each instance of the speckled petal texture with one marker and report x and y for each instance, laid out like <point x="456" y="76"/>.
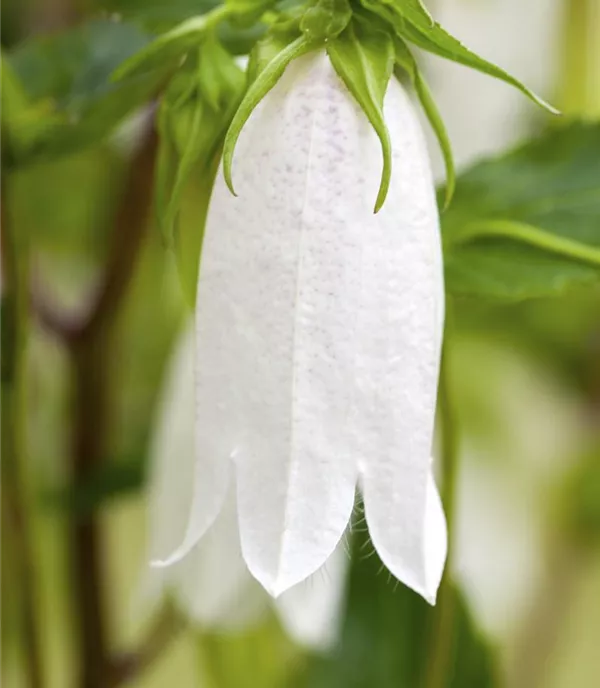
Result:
<point x="318" y="333"/>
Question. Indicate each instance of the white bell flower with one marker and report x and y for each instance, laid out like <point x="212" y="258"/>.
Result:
<point x="319" y="328"/>
<point x="212" y="585"/>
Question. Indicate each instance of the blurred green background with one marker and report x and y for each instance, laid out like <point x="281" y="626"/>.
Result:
<point x="521" y="605"/>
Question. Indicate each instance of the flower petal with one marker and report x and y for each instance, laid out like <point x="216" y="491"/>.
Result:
<point x="319" y="327"/>
<point x="401" y="347"/>
<point x="172" y="451"/>
<point x="213" y="584"/>
<point x="209" y="481"/>
<point x="436" y="540"/>
<point x="274" y="305"/>
<point x="311" y="611"/>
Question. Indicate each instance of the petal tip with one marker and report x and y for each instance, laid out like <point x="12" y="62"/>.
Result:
<point x="161" y="563"/>
<point x="176" y="556"/>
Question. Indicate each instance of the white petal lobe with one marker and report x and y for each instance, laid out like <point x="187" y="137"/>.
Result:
<point x="213" y="584"/>
<point x="172" y="452"/>
<point x="401" y="344"/>
<point x="212" y="468"/>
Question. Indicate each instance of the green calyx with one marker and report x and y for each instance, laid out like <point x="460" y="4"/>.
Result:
<point x="192" y="118"/>
<point x="366" y="40"/>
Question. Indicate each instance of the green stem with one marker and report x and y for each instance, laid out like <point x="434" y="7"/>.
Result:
<point x="16" y="501"/>
<point x="578" y="94"/>
<point x="87" y="340"/>
<point x="528" y="234"/>
<point x="90" y="356"/>
<point x="443" y="629"/>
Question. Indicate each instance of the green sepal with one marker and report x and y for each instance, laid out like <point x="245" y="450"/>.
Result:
<point x="263" y="82"/>
<point x="410" y="23"/>
<point x="193" y="115"/>
<point x="326" y="19"/>
<point x="406" y="60"/>
<point x="190" y="137"/>
<point x="363" y="57"/>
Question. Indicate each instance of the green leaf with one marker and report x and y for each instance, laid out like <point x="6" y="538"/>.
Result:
<point x="76" y="63"/>
<point x="262" y="84"/>
<point x="363" y="57"/>
<point x="385" y="639"/>
<point x="159" y="16"/>
<point x="15" y="102"/>
<point x="406" y="61"/>
<point x="172" y="45"/>
<point x="527" y="224"/>
<point x="326" y="19"/>
<point x="410" y="23"/>
<point x="67" y="80"/>
<point x="23" y="122"/>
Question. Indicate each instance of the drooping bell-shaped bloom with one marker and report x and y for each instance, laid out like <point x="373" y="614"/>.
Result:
<point x="319" y="328"/>
<point x="212" y="585"/>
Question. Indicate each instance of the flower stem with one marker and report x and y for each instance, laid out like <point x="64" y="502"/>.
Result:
<point x="16" y="502"/>
<point x="90" y="356"/>
<point x="578" y="92"/>
<point x="87" y="342"/>
<point x="443" y="629"/>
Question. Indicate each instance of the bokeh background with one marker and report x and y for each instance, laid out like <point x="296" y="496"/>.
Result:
<point x="524" y="380"/>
